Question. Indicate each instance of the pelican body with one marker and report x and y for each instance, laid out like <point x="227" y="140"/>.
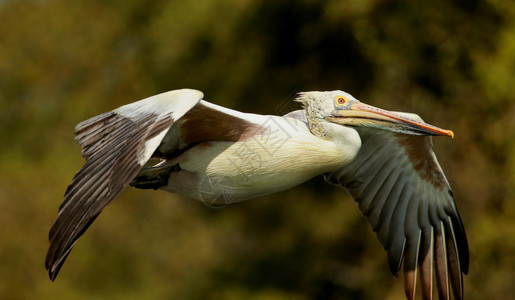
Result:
<point x="272" y="154"/>
<point x="180" y="143"/>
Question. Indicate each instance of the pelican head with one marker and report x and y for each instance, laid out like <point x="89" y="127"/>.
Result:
<point x="342" y="108"/>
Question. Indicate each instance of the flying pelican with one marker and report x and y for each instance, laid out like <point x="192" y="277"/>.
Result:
<point x="180" y="143"/>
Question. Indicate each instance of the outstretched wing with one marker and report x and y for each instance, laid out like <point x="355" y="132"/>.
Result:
<point x="115" y="145"/>
<point x="402" y="191"/>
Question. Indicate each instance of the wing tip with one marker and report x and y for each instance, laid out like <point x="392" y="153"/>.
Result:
<point x="53" y="265"/>
<point x="52" y="274"/>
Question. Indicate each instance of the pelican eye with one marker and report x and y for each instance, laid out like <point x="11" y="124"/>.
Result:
<point x="340" y="100"/>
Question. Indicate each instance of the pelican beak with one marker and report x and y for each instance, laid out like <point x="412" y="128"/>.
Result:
<point x="364" y="115"/>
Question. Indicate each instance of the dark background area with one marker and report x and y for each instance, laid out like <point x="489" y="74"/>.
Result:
<point x="61" y="62"/>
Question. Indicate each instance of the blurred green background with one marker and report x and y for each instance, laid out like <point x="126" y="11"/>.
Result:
<point x="61" y="62"/>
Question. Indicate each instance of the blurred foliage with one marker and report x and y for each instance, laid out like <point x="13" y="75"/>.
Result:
<point x="452" y="62"/>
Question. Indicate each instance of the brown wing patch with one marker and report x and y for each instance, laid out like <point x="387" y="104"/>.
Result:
<point x="419" y="152"/>
<point x="202" y="124"/>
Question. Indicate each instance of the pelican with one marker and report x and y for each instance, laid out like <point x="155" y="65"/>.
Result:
<point x="180" y="143"/>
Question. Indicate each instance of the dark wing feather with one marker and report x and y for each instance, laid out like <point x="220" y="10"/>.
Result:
<point x="115" y="145"/>
<point x="402" y="191"/>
